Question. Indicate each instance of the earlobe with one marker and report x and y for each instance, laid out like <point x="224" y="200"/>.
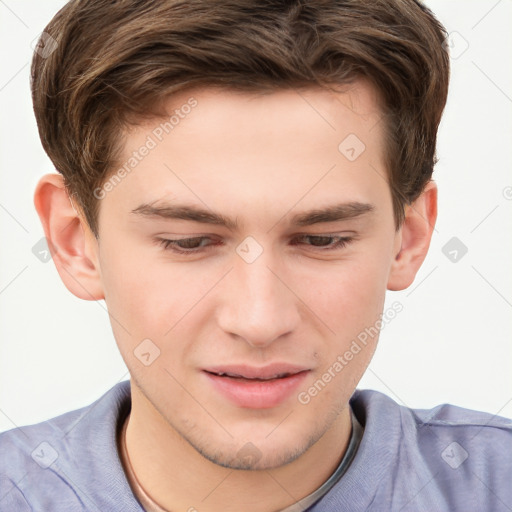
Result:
<point x="71" y="243"/>
<point x="416" y="233"/>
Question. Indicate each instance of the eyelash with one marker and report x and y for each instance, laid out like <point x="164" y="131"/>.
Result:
<point x="171" y="245"/>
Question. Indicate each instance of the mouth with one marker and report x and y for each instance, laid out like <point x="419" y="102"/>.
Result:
<point x="245" y="377"/>
<point x="256" y="388"/>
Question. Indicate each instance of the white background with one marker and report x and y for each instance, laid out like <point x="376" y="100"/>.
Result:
<point x="452" y="341"/>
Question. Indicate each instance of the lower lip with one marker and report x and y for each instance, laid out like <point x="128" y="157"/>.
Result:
<point x="257" y="394"/>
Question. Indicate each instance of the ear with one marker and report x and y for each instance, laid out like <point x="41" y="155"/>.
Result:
<point x="415" y="234"/>
<point x="71" y="242"/>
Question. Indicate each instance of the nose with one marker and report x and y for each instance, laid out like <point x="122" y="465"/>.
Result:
<point x="257" y="305"/>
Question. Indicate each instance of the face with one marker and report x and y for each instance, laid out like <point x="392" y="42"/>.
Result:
<point x="241" y="255"/>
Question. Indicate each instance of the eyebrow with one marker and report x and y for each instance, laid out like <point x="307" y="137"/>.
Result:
<point x="343" y="211"/>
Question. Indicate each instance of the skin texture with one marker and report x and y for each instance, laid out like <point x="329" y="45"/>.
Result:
<point x="259" y="160"/>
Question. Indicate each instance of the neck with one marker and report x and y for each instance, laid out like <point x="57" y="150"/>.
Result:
<point x="177" y="477"/>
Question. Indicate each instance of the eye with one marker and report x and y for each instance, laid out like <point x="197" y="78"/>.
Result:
<point x="325" y="242"/>
<point x="185" y="245"/>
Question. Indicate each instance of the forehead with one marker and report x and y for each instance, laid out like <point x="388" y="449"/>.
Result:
<point x="227" y="150"/>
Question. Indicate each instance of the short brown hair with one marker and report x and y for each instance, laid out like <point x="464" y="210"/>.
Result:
<point x="115" y="61"/>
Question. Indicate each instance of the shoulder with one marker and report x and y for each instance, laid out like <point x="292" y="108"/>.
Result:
<point x="444" y="458"/>
<point x="376" y="405"/>
<point x="475" y="432"/>
<point x="62" y="460"/>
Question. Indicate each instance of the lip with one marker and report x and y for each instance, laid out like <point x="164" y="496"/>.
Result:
<point x="256" y="387"/>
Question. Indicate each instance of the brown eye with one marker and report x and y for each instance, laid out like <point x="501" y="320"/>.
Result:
<point x="320" y="241"/>
<point x="325" y="242"/>
<point x="189" y="243"/>
<point x="185" y="245"/>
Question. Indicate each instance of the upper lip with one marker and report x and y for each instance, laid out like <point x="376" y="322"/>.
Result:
<point x="270" y="371"/>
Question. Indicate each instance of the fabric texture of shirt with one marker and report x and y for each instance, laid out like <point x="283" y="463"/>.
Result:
<point x="442" y="459"/>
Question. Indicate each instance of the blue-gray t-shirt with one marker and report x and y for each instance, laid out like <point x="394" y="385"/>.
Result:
<point x="442" y="459"/>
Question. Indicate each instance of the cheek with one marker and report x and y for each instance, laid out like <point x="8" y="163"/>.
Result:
<point x="148" y="302"/>
<point x="348" y="297"/>
<point x="148" y="296"/>
<point x="349" y="300"/>
<point x="142" y="293"/>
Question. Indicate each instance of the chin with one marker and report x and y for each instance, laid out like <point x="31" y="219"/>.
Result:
<point x="257" y="449"/>
<point x="249" y="457"/>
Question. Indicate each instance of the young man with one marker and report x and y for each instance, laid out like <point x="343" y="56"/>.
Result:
<point x="241" y="182"/>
